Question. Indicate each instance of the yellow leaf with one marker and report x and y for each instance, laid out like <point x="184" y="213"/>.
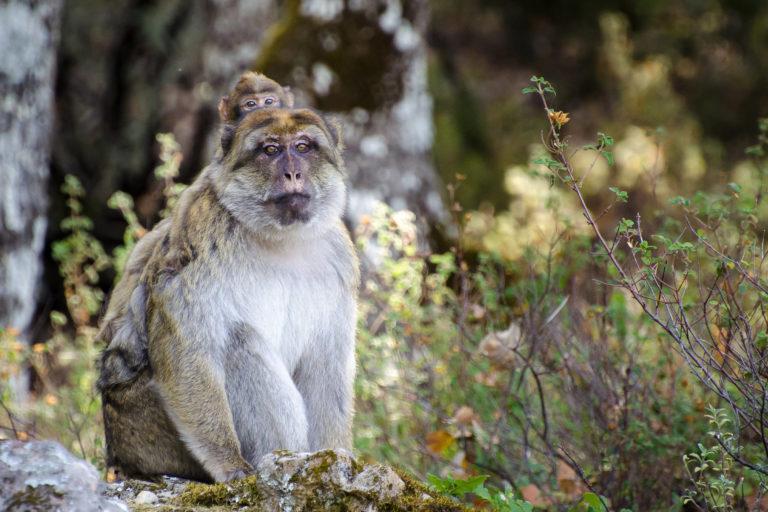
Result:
<point x="439" y="441"/>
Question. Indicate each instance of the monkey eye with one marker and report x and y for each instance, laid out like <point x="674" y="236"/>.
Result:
<point x="302" y="147"/>
<point x="269" y="101"/>
<point x="271" y="149"/>
<point x="250" y="104"/>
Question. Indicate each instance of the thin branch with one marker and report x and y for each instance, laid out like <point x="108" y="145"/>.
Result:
<point x="738" y="459"/>
<point x="10" y="418"/>
<point x="583" y="477"/>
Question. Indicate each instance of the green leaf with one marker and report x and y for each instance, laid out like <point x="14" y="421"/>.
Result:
<point x="621" y="195"/>
<point x="605" y="140"/>
<point x="680" y="200"/>
<point x="58" y="318"/>
<point x="593" y="500"/>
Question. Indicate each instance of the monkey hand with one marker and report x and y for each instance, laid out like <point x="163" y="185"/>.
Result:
<point x="236" y="474"/>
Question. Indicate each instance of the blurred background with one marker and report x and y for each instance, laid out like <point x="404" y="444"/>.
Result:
<point x="436" y="124"/>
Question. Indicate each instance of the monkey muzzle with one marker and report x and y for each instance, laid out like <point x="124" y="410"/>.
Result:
<point x="292" y="207"/>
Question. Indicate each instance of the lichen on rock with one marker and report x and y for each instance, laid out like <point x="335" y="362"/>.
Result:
<point x="330" y="480"/>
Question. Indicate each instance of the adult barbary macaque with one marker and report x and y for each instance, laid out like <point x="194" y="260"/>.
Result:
<point x="237" y="338"/>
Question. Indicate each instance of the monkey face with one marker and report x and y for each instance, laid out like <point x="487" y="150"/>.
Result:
<point x="283" y="171"/>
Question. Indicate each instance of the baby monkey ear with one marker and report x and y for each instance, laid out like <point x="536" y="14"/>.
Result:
<point x="223" y="104"/>
<point x="289" y="99"/>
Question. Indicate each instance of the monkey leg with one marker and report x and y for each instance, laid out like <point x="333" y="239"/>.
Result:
<point x="267" y="409"/>
<point x="141" y="440"/>
<point x="192" y="392"/>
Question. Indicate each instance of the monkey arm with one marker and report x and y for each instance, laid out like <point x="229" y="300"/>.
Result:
<point x="190" y="384"/>
<point x="268" y="410"/>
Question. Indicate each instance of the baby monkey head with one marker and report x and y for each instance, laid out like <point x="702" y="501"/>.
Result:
<point x="283" y="172"/>
<point x="253" y="91"/>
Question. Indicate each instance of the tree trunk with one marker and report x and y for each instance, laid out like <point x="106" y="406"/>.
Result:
<point x="367" y="61"/>
<point x="161" y="66"/>
<point x="29" y="32"/>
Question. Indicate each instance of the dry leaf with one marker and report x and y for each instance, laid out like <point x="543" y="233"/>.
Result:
<point x="499" y="346"/>
<point x="464" y="415"/>
<point x="533" y="495"/>
<point x="438" y="441"/>
<point x="569" y="482"/>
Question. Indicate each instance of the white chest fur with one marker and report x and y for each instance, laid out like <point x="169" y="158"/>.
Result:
<point x="292" y="297"/>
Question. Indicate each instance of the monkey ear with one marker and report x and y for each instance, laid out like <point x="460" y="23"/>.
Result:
<point x="289" y="99"/>
<point x="335" y="128"/>
<point x="227" y="137"/>
<point x="223" y="108"/>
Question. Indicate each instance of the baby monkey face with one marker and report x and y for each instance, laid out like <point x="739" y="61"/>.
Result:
<point x="253" y="91"/>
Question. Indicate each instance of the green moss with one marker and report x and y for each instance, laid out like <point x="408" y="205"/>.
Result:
<point x="243" y="493"/>
<point x="328" y="457"/>
<point x="42" y="498"/>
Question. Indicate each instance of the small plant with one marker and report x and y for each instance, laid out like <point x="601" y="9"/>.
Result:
<point x="133" y="231"/>
<point x="499" y="501"/>
<point x="81" y="258"/>
<point x="168" y="171"/>
<point x="710" y="468"/>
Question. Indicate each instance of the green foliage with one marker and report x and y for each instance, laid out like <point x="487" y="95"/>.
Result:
<point x="499" y="501"/>
<point x="485" y="366"/>
<point x="710" y="468"/>
<point x="124" y="203"/>
<point x="530" y="370"/>
<point x="703" y="285"/>
<point x="81" y="258"/>
<point x="168" y="170"/>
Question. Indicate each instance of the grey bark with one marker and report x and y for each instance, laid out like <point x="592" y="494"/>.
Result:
<point x="28" y="41"/>
<point x="367" y="61"/>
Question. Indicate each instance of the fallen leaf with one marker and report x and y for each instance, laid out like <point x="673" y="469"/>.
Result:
<point x="439" y="441"/>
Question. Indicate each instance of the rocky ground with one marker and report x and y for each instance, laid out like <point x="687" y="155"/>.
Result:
<point x="43" y="476"/>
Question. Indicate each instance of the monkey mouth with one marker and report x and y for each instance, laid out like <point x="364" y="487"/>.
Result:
<point x="292" y="207"/>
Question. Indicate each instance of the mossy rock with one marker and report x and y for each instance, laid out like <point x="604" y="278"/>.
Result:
<point x="327" y="480"/>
